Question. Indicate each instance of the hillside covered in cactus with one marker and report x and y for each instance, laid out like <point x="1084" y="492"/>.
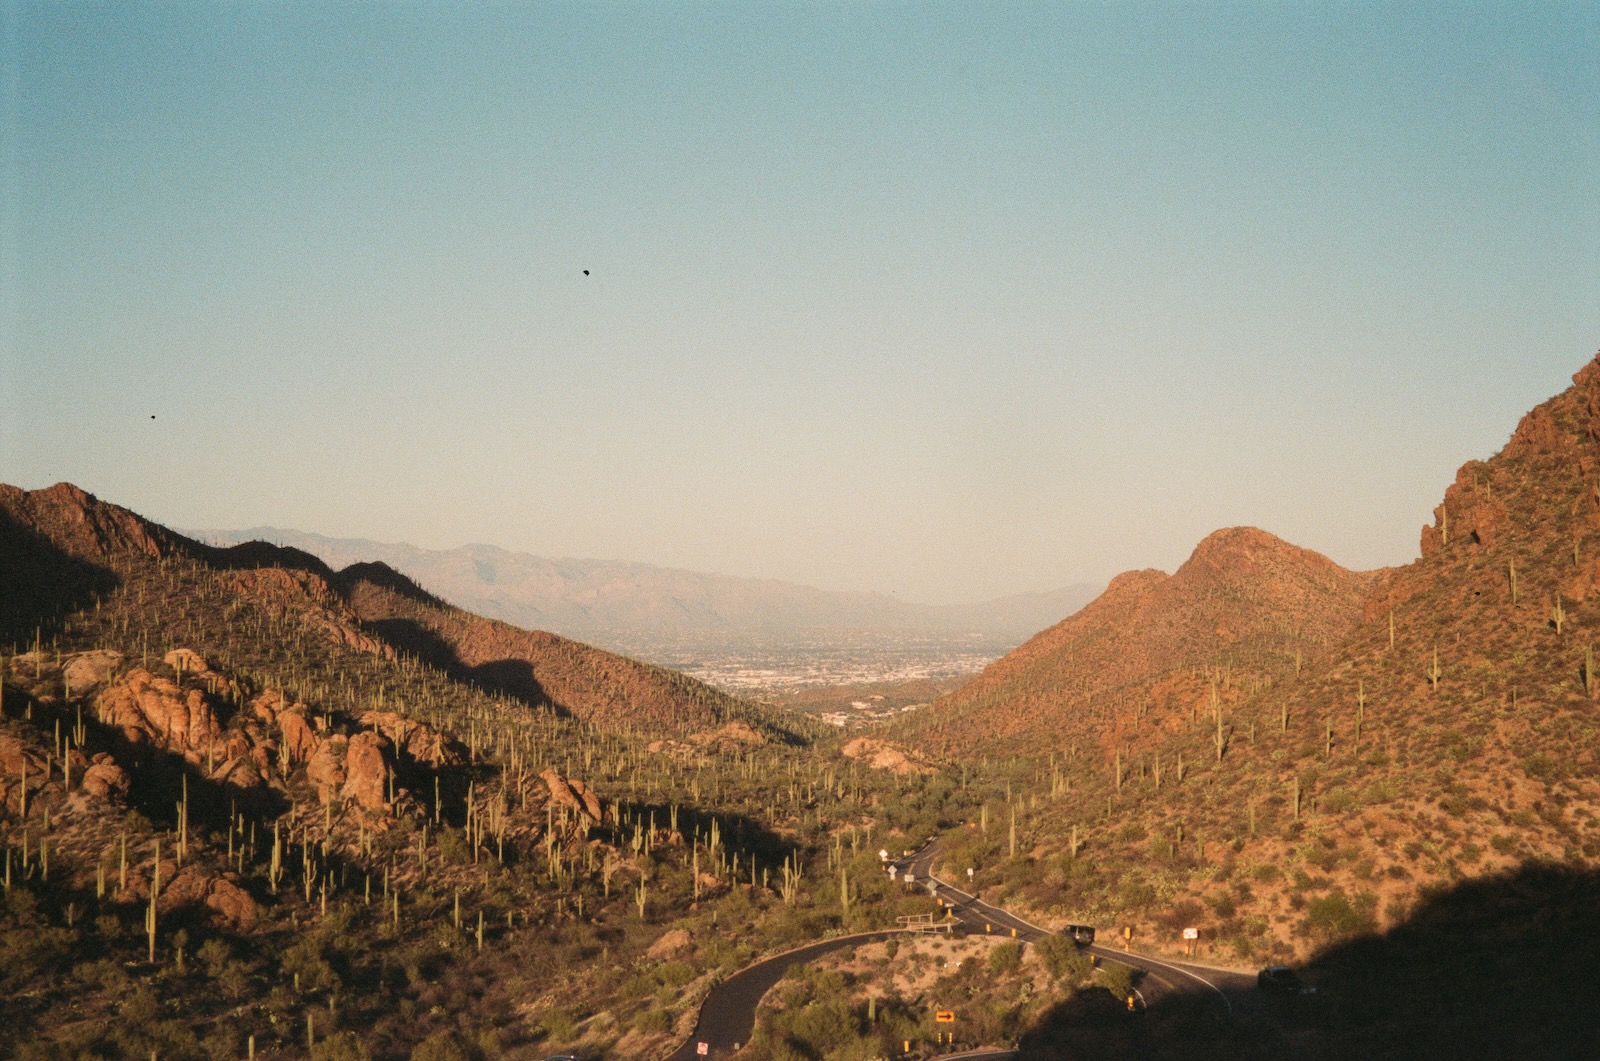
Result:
<point x="1287" y="770"/>
<point x="1245" y="610"/>
<point x="253" y="807"/>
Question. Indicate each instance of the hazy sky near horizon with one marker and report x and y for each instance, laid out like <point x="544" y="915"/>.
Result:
<point x="943" y="300"/>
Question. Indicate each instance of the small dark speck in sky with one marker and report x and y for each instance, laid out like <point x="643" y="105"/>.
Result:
<point x="586" y="272"/>
<point x="152" y="416"/>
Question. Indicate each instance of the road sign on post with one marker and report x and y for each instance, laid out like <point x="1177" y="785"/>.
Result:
<point x="702" y="1049"/>
<point x="892" y="871"/>
<point x="1191" y="933"/>
<point x="883" y="853"/>
<point x="945" y="1016"/>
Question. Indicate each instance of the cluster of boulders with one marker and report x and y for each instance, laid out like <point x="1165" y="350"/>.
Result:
<point x="246" y="741"/>
<point x="882" y="755"/>
<point x="730" y="738"/>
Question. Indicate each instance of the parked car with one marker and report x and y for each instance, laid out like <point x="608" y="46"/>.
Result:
<point x="1282" y="980"/>
<point x="1082" y="935"/>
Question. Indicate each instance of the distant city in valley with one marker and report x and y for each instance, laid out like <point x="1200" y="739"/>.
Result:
<point x="747" y="636"/>
<point x="826" y="658"/>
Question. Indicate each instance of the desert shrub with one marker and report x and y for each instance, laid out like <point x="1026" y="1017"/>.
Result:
<point x="1005" y="959"/>
<point x="1137" y="894"/>
<point x="1333" y="917"/>
<point x="1181" y="915"/>
<point x="307" y="959"/>
<point x="445" y="1046"/>
<point x="341" y="1046"/>
<point x="1065" y="961"/>
<point x="1116" y="978"/>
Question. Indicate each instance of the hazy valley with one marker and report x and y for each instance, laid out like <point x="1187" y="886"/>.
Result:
<point x="260" y="802"/>
<point x="740" y="634"/>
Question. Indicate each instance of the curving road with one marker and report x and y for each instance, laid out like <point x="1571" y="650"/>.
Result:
<point x="1157" y="976"/>
<point x="728" y="1014"/>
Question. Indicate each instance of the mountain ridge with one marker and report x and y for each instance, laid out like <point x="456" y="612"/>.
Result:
<point x="372" y="608"/>
<point x="1244" y="600"/>
<point x="624" y="603"/>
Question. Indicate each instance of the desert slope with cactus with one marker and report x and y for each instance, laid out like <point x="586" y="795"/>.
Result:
<point x="1446" y="728"/>
<point x="1246" y="609"/>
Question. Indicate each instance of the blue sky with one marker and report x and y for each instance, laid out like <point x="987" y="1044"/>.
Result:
<point x="942" y="300"/>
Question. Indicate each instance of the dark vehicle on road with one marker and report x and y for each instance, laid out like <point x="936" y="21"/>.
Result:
<point x="1082" y="935"/>
<point x="1281" y="980"/>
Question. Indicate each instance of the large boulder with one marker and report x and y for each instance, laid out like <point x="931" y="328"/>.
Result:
<point x="104" y="779"/>
<point x="670" y="943"/>
<point x="298" y="734"/>
<point x="86" y="671"/>
<point x="367" y="770"/>
<point x="228" y="904"/>
<point x="326" y="766"/>
<point x="574" y="795"/>
<point x="156" y="710"/>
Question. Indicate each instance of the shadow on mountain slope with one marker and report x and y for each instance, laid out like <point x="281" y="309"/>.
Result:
<point x="1501" y="966"/>
<point x="385" y="577"/>
<point x="513" y="678"/>
<point x="1496" y="967"/>
<point x="41" y="584"/>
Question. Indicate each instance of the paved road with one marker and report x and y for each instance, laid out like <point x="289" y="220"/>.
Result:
<point x="728" y="1015"/>
<point x="1155" y="976"/>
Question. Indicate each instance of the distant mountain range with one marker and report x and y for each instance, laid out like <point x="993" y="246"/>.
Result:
<point x="639" y="607"/>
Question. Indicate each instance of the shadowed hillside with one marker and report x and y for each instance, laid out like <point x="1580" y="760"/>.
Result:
<point x="535" y="667"/>
<point x="1495" y="967"/>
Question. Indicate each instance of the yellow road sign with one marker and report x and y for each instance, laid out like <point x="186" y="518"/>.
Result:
<point x="945" y="1016"/>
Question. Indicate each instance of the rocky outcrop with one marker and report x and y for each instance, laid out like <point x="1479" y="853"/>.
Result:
<point x="86" y="671"/>
<point x="298" y="736"/>
<point x="734" y="735"/>
<point x="104" y="779"/>
<point x="881" y="755"/>
<point x="367" y="770"/>
<point x="1470" y="512"/>
<point x="154" y="710"/>
<point x="325" y="768"/>
<point x="670" y="943"/>
<point x="417" y="741"/>
<point x="228" y="904"/>
<point x="572" y="794"/>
